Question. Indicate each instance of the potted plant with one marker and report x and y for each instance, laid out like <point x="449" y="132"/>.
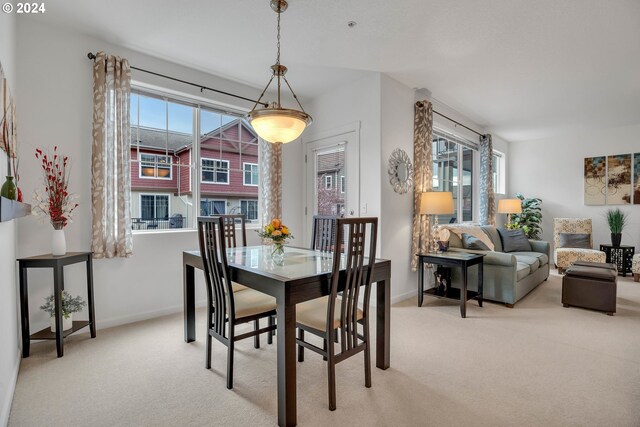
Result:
<point x="70" y="305"/>
<point x="617" y="220"/>
<point x="530" y="219"/>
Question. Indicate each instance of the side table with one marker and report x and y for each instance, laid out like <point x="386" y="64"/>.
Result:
<point x="621" y="256"/>
<point x="57" y="263"/>
<point x="451" y="259"/>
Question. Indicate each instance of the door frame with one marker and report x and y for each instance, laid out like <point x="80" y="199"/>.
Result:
<point x="310" y="138"/>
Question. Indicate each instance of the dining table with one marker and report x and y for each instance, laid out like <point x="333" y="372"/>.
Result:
<point x="304" y="275"/>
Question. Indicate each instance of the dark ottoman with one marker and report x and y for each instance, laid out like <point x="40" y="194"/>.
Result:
<point x="590" y="285"/>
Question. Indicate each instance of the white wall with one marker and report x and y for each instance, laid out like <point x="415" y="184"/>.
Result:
<point x="552" y="169"/>
<point x="56" y="80"/>
<point x="9" y="312"/>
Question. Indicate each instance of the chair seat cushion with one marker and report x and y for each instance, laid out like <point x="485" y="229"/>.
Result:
<point x="542" y="258"/>
<point x="250" y="302"/>
<point x="314" y="313"/>
<point x="523" y="270"/>
<point x="237" y="287"/>
<point x="564" y="257"/>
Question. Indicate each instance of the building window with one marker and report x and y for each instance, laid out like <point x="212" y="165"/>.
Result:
<point x="155" y="166"/>
<point x="154" y="207"/>
<point x="328" y="182"/>
<point x="250" y="173"/>
<point x="453" y="160"/>
<point x="215" y="171"/>
<point x="498" y="172"/>
<point x="210" y="207"/>
<point x="342" y="184"/>
<point x="249" y="208"/>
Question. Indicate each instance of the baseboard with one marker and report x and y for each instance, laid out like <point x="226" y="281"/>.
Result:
<point x="137" y="317"/>
<point x="404" y="296"/>
<point x="6" y="405"/>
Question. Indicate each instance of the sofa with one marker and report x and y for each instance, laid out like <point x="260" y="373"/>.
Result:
<point x="507" y="277"/>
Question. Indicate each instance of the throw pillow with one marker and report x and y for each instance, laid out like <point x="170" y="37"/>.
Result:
<point x="575" y="240"/>
<point x="472" y="242"/>
<point x="514" y="241"/>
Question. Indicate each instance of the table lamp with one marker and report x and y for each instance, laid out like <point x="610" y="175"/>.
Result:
<point x="509" y="206"/>
<point x="436" y="203"/>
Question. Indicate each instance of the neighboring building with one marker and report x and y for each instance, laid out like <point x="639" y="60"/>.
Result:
<point x="162" y="178"/>
<point x="330" y="183"/>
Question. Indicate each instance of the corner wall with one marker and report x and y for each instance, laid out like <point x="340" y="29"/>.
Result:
<point x="9" y="323"/>
<point x="552" y="169"/>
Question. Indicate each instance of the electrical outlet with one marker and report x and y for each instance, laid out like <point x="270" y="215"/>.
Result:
<point x="363" y="209"/>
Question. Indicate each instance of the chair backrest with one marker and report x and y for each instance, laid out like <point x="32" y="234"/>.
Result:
<point x="360" y="238"/>
<point x="230" y="222"/>
<point x="213" y="251"/>
<point x="323" y="236"/>
<point x="571" y="225"/>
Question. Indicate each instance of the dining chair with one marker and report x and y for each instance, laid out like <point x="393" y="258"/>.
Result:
<point x="225" y="308"/>
<point x="323" y="234"/>
<point x="231" y="238"/>
<point x="325" y="316"/>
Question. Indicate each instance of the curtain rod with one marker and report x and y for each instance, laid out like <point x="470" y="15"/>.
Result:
<point x="458" y="123"/>
<point x="92" y="57"/>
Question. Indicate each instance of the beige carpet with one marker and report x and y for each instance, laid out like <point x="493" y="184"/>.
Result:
<point x="538" y="364"/>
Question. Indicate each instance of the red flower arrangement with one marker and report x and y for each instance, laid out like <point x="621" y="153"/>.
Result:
<point x="56" y="202"/>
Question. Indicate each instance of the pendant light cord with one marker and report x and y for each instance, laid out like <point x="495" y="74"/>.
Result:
<point x="278" y="56"/>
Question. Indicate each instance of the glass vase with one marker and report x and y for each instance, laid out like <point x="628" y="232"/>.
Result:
<point x="277" y="254"/>
<point x="9" y="190"/>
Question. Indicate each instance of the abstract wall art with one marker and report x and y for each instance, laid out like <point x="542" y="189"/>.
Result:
<point x="595" y="180"/>
<point x="636" y="179"/>
<point x="619" y="179"/>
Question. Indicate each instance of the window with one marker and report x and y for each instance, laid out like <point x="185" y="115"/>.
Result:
<point x="155" y="166"/>
<point x="498" y="172"/>
<point x="215" y="171"/>
<point x="199" y="158"/>
<point x="250" y="173"/>
<point x="210" y="207"/>
<point x="249" y="208"/>
<point x="453" y="171"/>
<point x="342" y="184"/>
<point x="328" y="182"/>
<point x="154" y="207"/>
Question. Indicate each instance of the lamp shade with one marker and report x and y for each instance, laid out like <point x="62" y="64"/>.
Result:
<point x="509" y="206"/>
<point x="279" y="124"/>
<point x="436" y="203"/>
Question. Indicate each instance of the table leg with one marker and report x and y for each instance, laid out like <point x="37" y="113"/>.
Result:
<point x="480" y="283"/>
<point x="383" y="323"/>
<point x="92" y="310"/>
<point x="286" y="326"/>
<point x="463" y="293"/>
<point x="420" y="281"/>
<point x="24" y="311"/>
<point x="58" y="287"/>
<point x="189" y="301"/>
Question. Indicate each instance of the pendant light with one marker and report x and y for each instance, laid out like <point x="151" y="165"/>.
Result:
<point x="274" y="123"/>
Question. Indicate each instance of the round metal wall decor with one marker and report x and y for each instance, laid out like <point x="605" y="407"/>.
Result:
<point x="400" y="171"/>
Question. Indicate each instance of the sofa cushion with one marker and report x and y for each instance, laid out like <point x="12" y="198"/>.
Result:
<point x="543" y="258"/>
<point x="472" y="242"/>
<point x="514" y="240"/>
<point x="492" y="232"/>
<point x="575" y="240"/>
<point x="523" y="270"/>
<point x="472" y="229"/>
<point x="532" y="261"/>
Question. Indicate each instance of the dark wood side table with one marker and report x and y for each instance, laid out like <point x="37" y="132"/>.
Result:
<point x="57" y="263"/>
<point x="451" y="259"/>
<point x="621" y="256"/>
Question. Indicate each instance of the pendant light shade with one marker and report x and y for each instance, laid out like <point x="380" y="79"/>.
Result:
<point x="279" y="124"/>
<point x="274" y="123"/>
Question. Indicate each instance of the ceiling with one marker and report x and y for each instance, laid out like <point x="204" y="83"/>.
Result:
<point x="520" y="68"/>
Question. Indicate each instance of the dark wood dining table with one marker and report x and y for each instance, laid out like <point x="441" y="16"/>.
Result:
<point x="305" y="275"/>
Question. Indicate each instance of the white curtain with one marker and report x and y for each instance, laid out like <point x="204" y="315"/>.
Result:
<point x="111" y="179"/>
<point x="422" y="177"/>
<point x="270" y="180"/>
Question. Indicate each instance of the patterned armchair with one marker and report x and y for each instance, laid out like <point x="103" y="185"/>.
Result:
<point x="635" y="267"/>
<point x="564" y="257"/>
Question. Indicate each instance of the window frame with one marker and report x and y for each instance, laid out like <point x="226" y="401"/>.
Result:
<point x="342" y="183"/>
<point x="212" y="200"/>
<point x="214" y="171"/>
<point x="328" y="182"/>
<point x="500" y="184"/>
<point x="155" y="207"/>
<point x="155" y="167"/>
<point x="257" y="209"/>
<point x="244" y="176"/>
